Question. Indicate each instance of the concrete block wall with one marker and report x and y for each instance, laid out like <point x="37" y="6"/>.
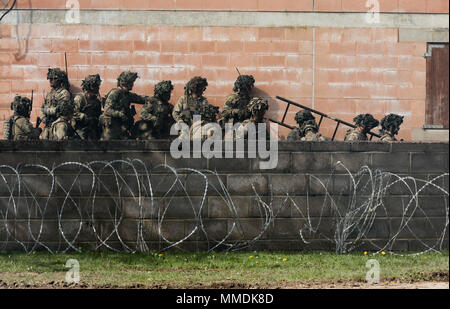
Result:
<point x="301" y="166"/>
<point x="320" y="53"/>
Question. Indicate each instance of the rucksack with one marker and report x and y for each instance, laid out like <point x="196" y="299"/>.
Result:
<point x="8" y="129"/>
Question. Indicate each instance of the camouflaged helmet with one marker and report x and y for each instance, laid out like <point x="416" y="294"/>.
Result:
<point x="258" y="106"/>
<point x="91" y="83"/>
<point x="303" y="116"/>
<point x="244" y="82"/>
<point x="65" y="109"/>
<point x="392" y="123"/>
<point x="367" y="121"/>
<point x="21" y="105"/>
<point x="60" y="76"/>
<point x="195" y="85"/>
<point x="126" y="78"/>
<point x="208" y="112"/>
<point x="57" y="74"/>
<point x="163" y="88"/>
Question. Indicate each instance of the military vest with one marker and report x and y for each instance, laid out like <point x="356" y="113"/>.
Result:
<point x="7" y="129"/>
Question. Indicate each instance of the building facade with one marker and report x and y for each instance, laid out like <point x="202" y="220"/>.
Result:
<point x="340" y="57"/>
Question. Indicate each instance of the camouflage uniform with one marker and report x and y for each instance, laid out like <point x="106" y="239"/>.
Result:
<point x="236" y="105"/>
<point x="257" y="108"/>
<point x="88" y="109"/>
<point x="355" y="135"/>
<point x="367" y="122"/>
<point x="388" y="138"/>
<point x="156" y="114"/>
<point x="310" y="132"/>
<point x="187" y="106"/>
<point x="307" y="129"/>
<point x="117" y="119"/>
<point x="209" y="115"/>
<point x="62" y="128"/>
<point x="58" y="95"/>
<point x="390" y="125"/>
<point x="20" y="127"/>
<point x="295" y="135"/>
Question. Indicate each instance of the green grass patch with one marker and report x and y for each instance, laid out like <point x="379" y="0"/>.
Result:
<point x="185" y="269"/>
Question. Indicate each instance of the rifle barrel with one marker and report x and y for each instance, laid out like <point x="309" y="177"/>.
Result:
<point x="65" y="60"/>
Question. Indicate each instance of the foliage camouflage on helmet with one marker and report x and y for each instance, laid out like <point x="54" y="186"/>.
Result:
<point x="195" y="85"/>
<point x="258" y="106"/>
<point x="367" y="121"/>
<point x="163" y="88"/>
<point x="244" y="82"/>
<point x="391" y="123"/>
<point x="303" y="116"/>
<point x="91" y="83"/>
<point x="208" y="112"/>
<point x="65" y="109"/>
<point x="56" y="73"/>
<point x="60" y="76"/>
<point x="21" y="105"/>
<point x="126" y="78"/>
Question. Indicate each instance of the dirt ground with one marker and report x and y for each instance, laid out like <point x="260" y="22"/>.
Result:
<point x="384" y="284"/>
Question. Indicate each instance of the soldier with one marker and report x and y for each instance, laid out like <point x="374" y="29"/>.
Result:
<point x="390" y="125"/>
<point x="301" y="118"/>
<point x="257" y="109"/>
<point x="18" y="127"/>
<point x="117" y="119"/>
<point x="58" y="95"/>
<point x="310" y="132"/>
<point x="209" y="115"/>
<point x="156" y="114"/>
<point x="62" y="128"/>
<point x="88" y="108"/>
<point x="364" y="123"/>
<point x="189" y="104"/>
<point x="236" y="105"/>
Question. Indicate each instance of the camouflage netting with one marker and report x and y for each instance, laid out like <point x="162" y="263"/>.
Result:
<point x="126" y="78"/>
<point x="244" y="83"/>
<point x="209" y="112"/>
<point x="91" y="83"/>
<point x="65" y="109"/>
<point x="21" y="105"/>
<point x="303" y="116"/>
<point x="195" y="85"/>
<point x="258" y="106"/>
<point x="392" y="123"/>
<point x="163" y="88"/>
<point x="367" y="121"/>
<point x="60" y="76"/>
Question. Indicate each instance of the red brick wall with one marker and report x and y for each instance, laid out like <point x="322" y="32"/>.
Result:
<point x="356" y="70"/>
<point x="412" y="6"/>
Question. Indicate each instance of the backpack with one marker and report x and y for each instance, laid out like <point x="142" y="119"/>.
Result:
<point x="8" y="129"/>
